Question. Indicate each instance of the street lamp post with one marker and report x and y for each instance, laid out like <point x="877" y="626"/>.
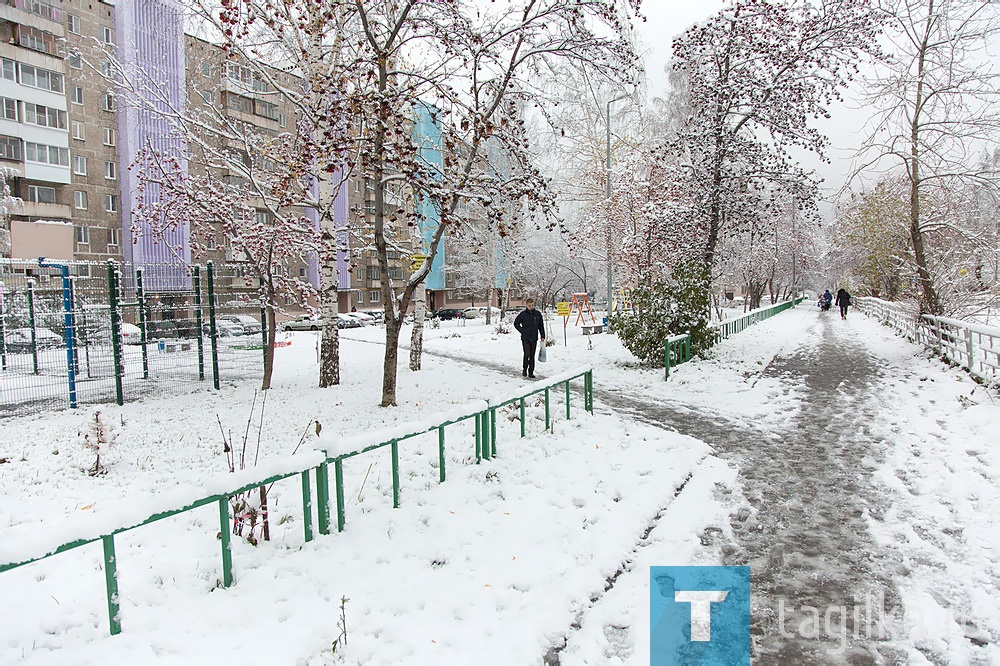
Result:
<point x="608" y="183"/>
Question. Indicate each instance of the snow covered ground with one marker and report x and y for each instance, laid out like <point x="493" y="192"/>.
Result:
<point x="509" y="560"/>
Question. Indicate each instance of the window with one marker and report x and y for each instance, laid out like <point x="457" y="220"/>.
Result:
<point x="105" y="69"/>
<point x="374" y="296"/>
<point x="370" y="207"/>
<point x="357" y="185"/>
<point x="79" y="133"/>
<point x="10" y="148"/>
<point x="74" y="60"/>
<point x="8" y="69"/>
<point x="239" y="103"/>
<point x="262" y="217"/>
<point x="302" y="273"/>
<point x="114" y="237"/>
<point x="108" y="103"/>
<point x="79" y="165"/>
<point x="76" y="95"/>
<point x="266" y="109"/>
<point x="37" y="152"/>
<point x="109" y="136"/>
<point x="210" y="243"/>
<point x="395" y="273"/>
<point x="282" y="121"/>
<point x="36" y="77"/>
<point x="83" y="235"/>
<point x="111" y="203"/>
<point x="9" y="108"/>
<point x="43" y="116"/>
<point x="206" y="69"/>
<point x="373" y="273"/>
<point x="39" y="194"/>
<point x="35" y="39"/>
<point x="43" y="8"/>
<point x="80" y="200"/>
<point x="106" y="36"/>
<point x="73" y="23"/>
<point x="110" y="170"/>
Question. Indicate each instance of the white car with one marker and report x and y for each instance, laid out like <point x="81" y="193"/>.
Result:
<point x="480" y="312"/>
<point x="19" y="339"/>
<point x="251" y="326"/>
<point x="365" y="318"/>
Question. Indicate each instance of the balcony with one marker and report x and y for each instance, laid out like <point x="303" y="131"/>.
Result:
<point x="40" y="8"/>
<point x="44" y="211"/>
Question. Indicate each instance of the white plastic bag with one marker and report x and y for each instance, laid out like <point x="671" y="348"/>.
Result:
<point x="541" y="352"/>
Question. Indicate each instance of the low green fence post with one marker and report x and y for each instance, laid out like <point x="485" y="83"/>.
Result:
<point x="323" y="497"/>
<point x="567" y="400"/>
<point x="522" y="417"/>
<point x="143" y="323"/>
<point x="441" y="454"/>
<point x="548" y="415"/>
<point x="111" y="583"/>
<point x="479" y="437"/>
<point x="307" y="517"/>
<point x="338" y="478"/>
<point x="394" y="447"/>
<point x="493" y="432"/>
<point x="666" y="359"/>
<point x="116" y="332"/>
<point x="590" y="391"/>
<point x="211" y="324"/>
<point x="227" y="549"/>
<point x="31" y="320"/>
<point x="196" y="284"/>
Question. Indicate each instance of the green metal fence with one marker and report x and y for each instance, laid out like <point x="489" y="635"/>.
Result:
<point x="677" y="348"/>
<point x="312" y="469"/>
<point x="84" y="333"/>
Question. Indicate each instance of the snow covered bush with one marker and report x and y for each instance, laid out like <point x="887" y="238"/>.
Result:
<point x="662" y="308"/>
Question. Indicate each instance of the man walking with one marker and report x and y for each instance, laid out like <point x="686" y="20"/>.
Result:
<point x="843" y="300"/>
<point x="531" y="327"/>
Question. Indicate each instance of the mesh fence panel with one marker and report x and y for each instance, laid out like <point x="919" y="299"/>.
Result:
<point x="58" y="327"/>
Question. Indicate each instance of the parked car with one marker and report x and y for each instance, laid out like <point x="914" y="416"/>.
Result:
<point x="303" y="323"/>
<point x="347" y="321"/>
<point x="480" y="312"/>
<point x="186" y="328"/>
<point x="19" y="339"/>
<point x="156" y="330"/>
<point x="250" y="324"/>
<point x="365" y="318"/>
<point x="224" y="329"/>
<point x="377" y="315"/>
<point x="448" y="313"/>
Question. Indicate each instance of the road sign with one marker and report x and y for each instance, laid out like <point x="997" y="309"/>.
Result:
<point x="417" y="262"/>
<point x="563" y="308"/>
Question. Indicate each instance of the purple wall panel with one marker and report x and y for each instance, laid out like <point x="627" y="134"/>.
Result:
<point x="150" y="46"/>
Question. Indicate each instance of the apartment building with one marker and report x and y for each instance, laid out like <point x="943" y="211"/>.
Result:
<point x="34" y="127"/>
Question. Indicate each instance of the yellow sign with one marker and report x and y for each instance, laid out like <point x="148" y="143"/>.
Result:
<point x="562" y="308"/>
<point x="417" y="262"/>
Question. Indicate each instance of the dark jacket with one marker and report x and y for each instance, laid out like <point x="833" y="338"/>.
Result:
<point x="843" y="298"/>
<point x="827" y="296"/>
<point x="529" y="324"/>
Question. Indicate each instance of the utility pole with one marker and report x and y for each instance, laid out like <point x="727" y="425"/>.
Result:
<point x="608" y="194"/>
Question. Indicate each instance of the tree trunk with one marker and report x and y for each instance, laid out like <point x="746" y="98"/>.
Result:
<point x="929" y="301"/>
<point x="329" y="348"/>
<point x="489" y="306"/>
<point x="390" y="361"/>
<point x="271" y="328"/>
<point x="417" y="337"/>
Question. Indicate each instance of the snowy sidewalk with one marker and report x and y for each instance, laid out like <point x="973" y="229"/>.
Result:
<point x="871" y="494"/>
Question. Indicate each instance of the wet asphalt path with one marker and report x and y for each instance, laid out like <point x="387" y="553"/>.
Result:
<point x="809" y="488"/>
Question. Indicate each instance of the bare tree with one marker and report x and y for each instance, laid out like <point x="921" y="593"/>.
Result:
<point x="938" y="100"/>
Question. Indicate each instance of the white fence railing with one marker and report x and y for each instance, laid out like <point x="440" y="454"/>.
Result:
<point x="972" y="346"/>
